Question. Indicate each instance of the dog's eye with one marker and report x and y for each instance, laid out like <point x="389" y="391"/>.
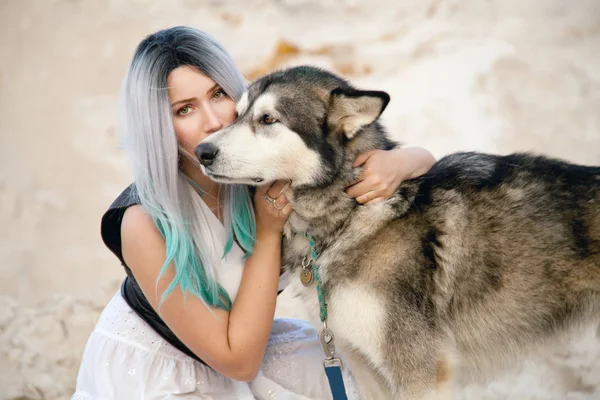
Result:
<point x="267" y="119"/>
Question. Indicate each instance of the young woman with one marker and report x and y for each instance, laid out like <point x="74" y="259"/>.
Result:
<point x="194" y="317"/>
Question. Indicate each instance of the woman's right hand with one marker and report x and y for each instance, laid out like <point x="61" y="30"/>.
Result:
<point x="271" y="208"/>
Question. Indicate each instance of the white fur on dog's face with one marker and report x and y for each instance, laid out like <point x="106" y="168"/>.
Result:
<point x="242" y="103"/>
<point x="250" y="151"/>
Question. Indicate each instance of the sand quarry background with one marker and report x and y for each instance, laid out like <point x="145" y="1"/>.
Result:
<point x="496" y="76"/>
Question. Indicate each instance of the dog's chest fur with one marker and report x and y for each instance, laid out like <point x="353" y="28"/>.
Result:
<point x="355" y="310"/>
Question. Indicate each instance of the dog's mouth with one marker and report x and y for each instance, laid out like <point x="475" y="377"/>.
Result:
<point x="229" y="179"/>
<point x="226" y="178"/>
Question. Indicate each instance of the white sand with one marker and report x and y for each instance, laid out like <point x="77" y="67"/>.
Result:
<point x="497" y="76"/>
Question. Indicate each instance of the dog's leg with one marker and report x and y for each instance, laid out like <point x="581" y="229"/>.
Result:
<point x="426" y="383"/>
<point x="416" y="385"/>
<point x="444" y="388"/>
<point x="445" y="377"/>
<point x="369" y="383"/>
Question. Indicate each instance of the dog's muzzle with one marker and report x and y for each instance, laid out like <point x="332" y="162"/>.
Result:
<point x="206" y="153"/>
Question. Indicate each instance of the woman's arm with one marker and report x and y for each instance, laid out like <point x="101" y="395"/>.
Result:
<point x="232" y="343"/>
<point x="383" y="171"/>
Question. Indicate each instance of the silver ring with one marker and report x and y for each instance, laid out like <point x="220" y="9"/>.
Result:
<point x="270" y="200"/>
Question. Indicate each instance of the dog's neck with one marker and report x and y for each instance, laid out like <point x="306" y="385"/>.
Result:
<point x="325" y="210"/>
<point x="320" y="212"/>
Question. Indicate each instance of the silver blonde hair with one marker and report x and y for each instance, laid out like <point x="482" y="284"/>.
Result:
<point x="163" y="189"/>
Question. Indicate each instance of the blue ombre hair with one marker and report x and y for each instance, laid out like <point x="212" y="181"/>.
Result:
<point x="163" y="189"/>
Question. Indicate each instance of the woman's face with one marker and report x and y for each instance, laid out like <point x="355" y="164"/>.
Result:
<point x="198" y="105"/>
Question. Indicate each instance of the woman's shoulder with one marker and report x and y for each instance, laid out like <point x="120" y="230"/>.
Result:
<point x="138" y="222"/>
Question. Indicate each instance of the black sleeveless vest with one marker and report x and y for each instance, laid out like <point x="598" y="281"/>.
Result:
<point x="130" y="290"/>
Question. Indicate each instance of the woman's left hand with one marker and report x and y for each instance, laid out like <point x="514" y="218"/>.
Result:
<point x="383" y="171"/>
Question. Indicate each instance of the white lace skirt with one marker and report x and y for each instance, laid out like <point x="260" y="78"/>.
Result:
<point x="125" y="359"/>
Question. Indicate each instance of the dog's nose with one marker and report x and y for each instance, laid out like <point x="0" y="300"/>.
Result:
<point x="206" y="153"/>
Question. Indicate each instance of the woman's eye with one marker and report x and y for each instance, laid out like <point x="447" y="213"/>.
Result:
<point x="184" y="110"/>
<point x="219" y="94"/>
<point x="267" y="119"/>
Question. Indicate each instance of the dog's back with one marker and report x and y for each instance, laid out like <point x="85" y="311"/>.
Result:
<point x="498" y="253"/>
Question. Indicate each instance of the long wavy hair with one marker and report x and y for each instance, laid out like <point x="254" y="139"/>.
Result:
<point x="164" y="190"/>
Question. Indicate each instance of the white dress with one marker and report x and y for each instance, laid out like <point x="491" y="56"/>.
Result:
<point x="124" y="359"/>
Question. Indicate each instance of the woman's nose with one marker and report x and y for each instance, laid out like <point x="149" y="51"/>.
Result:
<point x="212" y="122"/>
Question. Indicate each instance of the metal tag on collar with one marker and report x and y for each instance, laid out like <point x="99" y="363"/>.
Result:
<point x="306" y="275"/>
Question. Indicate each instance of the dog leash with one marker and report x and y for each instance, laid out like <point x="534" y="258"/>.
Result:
<point x="333" y="366"/>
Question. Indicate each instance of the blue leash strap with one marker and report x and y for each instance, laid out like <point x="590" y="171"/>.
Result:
<point x="335" y="378"/>
<point x="333" y="366"/>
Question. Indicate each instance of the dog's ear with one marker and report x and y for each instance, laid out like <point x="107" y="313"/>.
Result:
<point x="350" y="110"/>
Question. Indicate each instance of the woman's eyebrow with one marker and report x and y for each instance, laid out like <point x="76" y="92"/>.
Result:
<point x="213" y="88"/>
<point x="190" y="100"/>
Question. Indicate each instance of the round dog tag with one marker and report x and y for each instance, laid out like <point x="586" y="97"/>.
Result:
<point x="306" y="277"/>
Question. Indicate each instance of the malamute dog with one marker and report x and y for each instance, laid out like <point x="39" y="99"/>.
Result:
<point x="464" y="269"/>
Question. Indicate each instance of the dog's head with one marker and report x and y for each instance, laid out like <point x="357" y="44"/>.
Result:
<point x="292" y="125"/>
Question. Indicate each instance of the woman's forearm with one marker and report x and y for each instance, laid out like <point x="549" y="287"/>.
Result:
<point x="420" y="161"/>
<point x="251" y="316"/>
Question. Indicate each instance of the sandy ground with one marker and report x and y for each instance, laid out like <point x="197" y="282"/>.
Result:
<point x="496" y="76"/>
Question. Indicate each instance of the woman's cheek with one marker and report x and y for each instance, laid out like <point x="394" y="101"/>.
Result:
<point x="184" y="134"/>
<point x="228" y="112"/>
